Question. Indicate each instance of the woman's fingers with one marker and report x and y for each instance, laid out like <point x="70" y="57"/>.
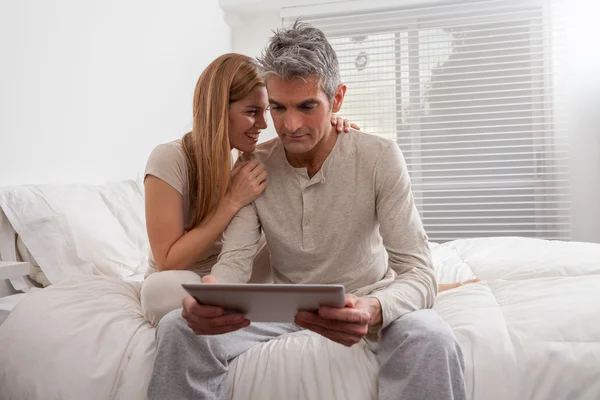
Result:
<point x="346" y="126"/>
<point x="252" y="165"/>
<point x="237" y="167"/>
<point x="261" y="177"/>
<point x="256" y="172"/>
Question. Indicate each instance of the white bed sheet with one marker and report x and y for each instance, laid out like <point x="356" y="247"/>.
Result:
<point x="529" y="331"/>
<point x="8" y="303"/>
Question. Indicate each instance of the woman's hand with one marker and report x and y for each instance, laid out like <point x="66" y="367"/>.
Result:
<point x="248" y="181"/>
<point x="342" y="124"/>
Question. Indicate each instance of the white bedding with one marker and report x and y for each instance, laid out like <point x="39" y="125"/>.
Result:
<point x="530" y="331"/>
<point x="8" y="303"/>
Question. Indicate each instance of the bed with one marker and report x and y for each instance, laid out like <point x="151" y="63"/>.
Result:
<point x="529" y="330"/>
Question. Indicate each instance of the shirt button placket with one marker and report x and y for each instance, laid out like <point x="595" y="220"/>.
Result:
<point x="307" y="239"/>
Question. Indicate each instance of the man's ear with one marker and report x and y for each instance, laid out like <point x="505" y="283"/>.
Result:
<point x="338" y="98"/>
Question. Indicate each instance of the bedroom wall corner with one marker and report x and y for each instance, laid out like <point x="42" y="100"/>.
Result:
<point x="89" y="88"/>
<point x="583" y="56"/>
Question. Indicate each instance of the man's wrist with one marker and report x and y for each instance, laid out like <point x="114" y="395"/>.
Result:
<point x="375" y="311"/>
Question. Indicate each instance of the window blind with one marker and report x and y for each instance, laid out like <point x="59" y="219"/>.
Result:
<point x="471" y="92"/>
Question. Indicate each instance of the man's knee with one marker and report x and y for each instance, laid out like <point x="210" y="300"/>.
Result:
<point x="426" y="329"/>
<point x="416" y="347"/>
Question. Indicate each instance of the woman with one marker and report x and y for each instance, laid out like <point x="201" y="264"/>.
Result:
<point x="192" y="193"/>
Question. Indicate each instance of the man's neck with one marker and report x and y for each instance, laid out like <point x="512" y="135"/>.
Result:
<point x="314" y="159"/>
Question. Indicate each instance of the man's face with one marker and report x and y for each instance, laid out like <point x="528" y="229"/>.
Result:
<point x="301" y="112"/>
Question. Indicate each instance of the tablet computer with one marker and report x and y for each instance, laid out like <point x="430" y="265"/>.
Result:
<point x="267" y="302"/>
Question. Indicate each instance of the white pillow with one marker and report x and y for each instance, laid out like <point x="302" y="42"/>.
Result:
<point x="125" y="200"/>
<point x="70" y="230"/>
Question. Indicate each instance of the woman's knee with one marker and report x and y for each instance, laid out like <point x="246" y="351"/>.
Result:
<point x="162" y="292"/>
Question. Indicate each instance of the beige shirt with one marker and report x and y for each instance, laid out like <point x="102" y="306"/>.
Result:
<point x="353" y="223"/>
<point x="167" y="162"/>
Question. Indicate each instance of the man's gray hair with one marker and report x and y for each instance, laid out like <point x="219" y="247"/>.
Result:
<point x="299" y="52"/>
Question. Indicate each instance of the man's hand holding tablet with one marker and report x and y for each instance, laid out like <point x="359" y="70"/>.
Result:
<point x="348" y="325"/>
<point x="210" y="320"/>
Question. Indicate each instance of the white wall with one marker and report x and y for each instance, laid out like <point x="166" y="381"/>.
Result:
<point x="88" y="88"/>
<point x="583" y="52"/>
<point x="251" y="28"/>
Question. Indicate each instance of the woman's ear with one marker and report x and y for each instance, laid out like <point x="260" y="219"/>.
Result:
<point x="338" y="98"/>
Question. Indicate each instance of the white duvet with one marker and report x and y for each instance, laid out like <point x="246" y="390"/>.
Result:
<point x="531" y="330"/>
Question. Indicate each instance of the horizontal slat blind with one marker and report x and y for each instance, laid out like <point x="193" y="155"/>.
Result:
<point x="470" y="90"/>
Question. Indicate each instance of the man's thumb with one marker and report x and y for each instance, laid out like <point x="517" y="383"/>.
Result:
<point x="351" y="300"/>
<point x="209" y="279"/>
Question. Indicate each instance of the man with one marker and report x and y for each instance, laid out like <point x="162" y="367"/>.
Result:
<point x="338" y="209"/>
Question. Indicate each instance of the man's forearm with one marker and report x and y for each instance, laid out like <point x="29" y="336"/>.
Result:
<point x="404" y="239"/>
<point x="409" y="292"/>
<point x="241" y="242"/>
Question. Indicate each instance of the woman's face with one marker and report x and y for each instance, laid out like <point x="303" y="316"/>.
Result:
<point x="247" y="118"/>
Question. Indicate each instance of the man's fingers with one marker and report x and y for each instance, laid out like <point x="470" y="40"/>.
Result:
<point x="188" y="302"/>
<point x="211" y="321"/>
<point x="218" y="330"/>
<point x="209" y="279"/>
<point x="202" y="311"/>
<point x="191" y="306"/>
<point x="354" y="126"/>
<point x="356" y="329"/>
<point x="350" y="315"/>
<point x="225" y="320"/>
<point x="339" y="337"/>
<point x="351" y="300"/>
<point x="214" y="325"/>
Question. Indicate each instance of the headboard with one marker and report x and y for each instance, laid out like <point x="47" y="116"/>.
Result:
<point x="9" y="252"/>
<point x="8" y="239"/>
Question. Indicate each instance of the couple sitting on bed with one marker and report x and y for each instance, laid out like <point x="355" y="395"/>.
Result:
<point x="334" y="208"/>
